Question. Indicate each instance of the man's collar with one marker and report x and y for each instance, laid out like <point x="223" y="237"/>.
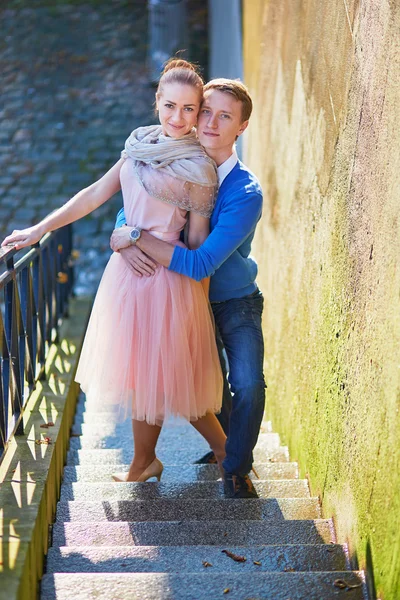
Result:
<point x="226" y="167"/>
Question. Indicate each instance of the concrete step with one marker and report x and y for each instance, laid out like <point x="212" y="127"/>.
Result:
<point x="292" y="488"/>
<point x="189" y="559"/>
<point x="193" y="510"/>
<point x="95" y="416"/>
<point x="178" y="439"/>
<point x="199" y="586"/>
<point x="177" y="434"/>
<point x="125" y="442"/>
<point x="189" y="533"/>
<point x="95" y="421"/>
<point x="184" y="474"/>
<point x="184" y="455"/>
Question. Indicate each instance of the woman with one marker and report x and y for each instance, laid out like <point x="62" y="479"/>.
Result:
<point x="150" y="342"/>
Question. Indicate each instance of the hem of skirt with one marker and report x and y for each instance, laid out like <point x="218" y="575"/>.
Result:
<point x="172" y="415"/>
<point x="123" y="410"/>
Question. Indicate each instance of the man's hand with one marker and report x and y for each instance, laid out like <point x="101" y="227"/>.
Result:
<point x="120" y="238"/>
<point x="138" y="261"/>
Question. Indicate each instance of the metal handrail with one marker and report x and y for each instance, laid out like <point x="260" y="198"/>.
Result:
<point x="34" y="294"/>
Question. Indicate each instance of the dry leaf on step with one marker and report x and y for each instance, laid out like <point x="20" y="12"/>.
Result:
<point x="234" y="557"/>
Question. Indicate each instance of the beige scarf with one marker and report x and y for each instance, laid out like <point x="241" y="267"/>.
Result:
<point x="178" y="158"/>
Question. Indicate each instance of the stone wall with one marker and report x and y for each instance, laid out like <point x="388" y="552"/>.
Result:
<point x="74" y="83"/>
<point x="324" y="140"/>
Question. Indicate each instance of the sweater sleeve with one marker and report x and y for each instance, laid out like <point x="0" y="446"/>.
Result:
<point x="121" y="220"/>
<point x="236" y="221"/>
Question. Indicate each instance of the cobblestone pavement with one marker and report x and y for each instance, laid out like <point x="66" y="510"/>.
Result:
<point x="74" y="83"/>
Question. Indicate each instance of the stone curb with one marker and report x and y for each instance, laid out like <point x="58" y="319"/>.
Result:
<point x="30" y="473"/>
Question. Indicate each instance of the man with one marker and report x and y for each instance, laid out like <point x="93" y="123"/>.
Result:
<point x="236" y="302"/>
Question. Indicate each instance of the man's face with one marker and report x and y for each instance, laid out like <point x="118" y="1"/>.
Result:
<point x="220" y="120"/>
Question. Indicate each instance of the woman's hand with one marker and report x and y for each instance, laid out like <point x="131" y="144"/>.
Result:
<point x="21" y="238"/>
<point x="120" y="238"/>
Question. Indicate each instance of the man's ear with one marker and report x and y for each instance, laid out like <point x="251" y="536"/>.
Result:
<point x="242" y="128"/>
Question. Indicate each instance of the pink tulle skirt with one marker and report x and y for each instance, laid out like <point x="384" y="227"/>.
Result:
<point x="150" y="346"/>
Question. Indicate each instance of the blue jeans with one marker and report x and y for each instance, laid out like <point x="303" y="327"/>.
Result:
<point x="239" y="331"/>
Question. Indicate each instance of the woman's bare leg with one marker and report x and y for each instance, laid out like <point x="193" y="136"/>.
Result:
<point x="210" y="428"/>
<point x="145" y="439"/>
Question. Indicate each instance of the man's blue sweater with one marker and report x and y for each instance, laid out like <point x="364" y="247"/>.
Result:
<point x="224" y="256"/>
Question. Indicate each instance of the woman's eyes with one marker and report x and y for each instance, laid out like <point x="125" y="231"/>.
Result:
<point x="187" y="108"/>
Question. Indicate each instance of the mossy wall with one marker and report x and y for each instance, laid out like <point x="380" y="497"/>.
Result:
<point x="325" y="142"/>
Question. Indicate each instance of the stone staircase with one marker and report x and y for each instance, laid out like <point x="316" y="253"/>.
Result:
<point x="168" y="540"/>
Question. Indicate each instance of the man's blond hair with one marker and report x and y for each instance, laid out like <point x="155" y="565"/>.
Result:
<point x="235" y="88"/>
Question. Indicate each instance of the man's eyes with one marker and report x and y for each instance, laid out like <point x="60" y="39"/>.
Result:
<point x="206" y="111"/>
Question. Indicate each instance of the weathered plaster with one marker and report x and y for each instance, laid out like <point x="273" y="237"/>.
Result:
<point x="324" y="141"/>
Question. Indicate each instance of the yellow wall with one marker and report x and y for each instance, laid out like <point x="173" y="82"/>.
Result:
<point x="325" y="143"/>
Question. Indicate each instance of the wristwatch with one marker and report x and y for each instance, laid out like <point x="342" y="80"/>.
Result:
<point x="135" y="234"/>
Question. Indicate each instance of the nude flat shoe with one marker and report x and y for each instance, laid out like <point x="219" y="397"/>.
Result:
<point x="154" y="469"/>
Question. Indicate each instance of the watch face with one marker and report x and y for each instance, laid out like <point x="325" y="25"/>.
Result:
<point x="134" y="234"/>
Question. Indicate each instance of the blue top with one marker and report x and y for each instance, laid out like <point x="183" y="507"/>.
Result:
<point x="224" y="256"/>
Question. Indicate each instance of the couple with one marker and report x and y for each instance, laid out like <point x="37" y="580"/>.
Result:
<point x="150" y="345"/>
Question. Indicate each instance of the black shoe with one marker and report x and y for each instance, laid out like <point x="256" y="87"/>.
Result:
<point x="239" y="486"/>
<point x="207" y="459"/>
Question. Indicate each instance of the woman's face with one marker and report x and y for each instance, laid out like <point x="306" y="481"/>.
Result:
<point x="178" y="106"/>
